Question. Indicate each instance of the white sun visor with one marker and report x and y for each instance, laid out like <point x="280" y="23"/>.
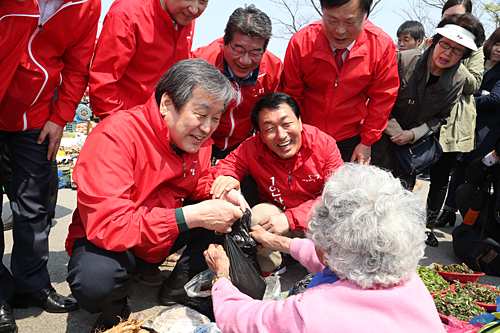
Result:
<point x="459" y="35"/>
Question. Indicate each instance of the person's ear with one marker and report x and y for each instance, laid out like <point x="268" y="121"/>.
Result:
<point x="300" y="122"/>
<point x="165" y="104"/>
<point x="419" y="41"/>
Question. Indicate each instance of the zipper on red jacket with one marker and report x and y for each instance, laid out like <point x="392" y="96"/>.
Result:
<point x="336" y="79"/>
<point x="231" y="118"/>
<point x="290" y="179"/>
<point x="184" y="167"/>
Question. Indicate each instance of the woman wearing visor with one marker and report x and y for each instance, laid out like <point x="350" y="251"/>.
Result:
<point x="436" y="81"/>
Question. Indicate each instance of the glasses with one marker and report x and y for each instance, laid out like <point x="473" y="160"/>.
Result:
<point x="455" y="50"/>
<point x="404" y="41"/>
<point x="239" y="52"/>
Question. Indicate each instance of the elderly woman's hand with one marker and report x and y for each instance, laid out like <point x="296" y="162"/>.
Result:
<point x="216" y="259"/>
<point x="269" y="240"/>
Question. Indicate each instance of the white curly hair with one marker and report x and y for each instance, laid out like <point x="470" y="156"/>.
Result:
<point x="370" y="227"/>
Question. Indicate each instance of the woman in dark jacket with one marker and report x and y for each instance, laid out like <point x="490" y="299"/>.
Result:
<point x="487" y="124"/>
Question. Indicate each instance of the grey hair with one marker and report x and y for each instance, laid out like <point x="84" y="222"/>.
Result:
<point x="181" y="79"/>
<point x="370" y="227"/>
<point x="249" y="21"/>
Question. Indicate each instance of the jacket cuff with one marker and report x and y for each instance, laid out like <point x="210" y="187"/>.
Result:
<point x="420" y="131"/>
<point x="289" y="216"/>
<point x="393" y="127"/>
<point x="181" y="221"/>
<point x="57" y="120"/>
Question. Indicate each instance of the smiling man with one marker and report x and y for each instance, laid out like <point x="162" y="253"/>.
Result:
<point x="342" y="70"/>
<point x="242" y="57"/>
<point x="139" y="41"/>
<point x="134" y="175"/>
<point x="290" y="162"/>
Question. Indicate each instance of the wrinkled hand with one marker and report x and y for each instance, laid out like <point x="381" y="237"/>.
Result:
<point x="213" y="214"/>
<point x="237" y="199"/>
<point x="262" y="236"/>
<point x="55" y="133"/>
<point x="224" y="184"/>
<point x="275" y="224"/>
<point x="403" y="137"/>
<point x="362" y="153"/>
<point x="216" y="259"/>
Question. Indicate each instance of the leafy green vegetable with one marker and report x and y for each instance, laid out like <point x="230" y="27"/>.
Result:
<point x="460" y="306"/>
<point x="478" y="292"/>
<point x="432" y="280"/>
<point x="454" y="268"/>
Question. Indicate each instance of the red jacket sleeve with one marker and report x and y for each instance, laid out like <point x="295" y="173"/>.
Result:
<point x="382" y="92"/>
<point x="292" y="78"/>
<point x="111" y="219"/>
<point x="75" y="75"/>
<point x="298" y="216"/>
<point x="114" y="51"/>
<point x="234" y="164"/>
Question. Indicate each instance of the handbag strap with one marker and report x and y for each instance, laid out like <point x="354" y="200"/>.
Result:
<point x="411" y="101"/>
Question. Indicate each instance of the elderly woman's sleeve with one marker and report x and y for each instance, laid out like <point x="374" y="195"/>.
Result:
<point x="304" y="251"/>
<point x="236" y="312"/>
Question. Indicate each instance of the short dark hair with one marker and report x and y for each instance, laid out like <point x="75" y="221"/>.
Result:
<point x="273" y="101"/>
<point x="450" y="3"/>
<point x="365" y="5"/>
<point x="249" y="21"/>
<point x="181" y="79"/>
<point x="468" y="22"/>
<point x="494" y="38"/>
<point x="414" y="28"/>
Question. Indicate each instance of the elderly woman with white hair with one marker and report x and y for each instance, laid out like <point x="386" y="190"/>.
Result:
<point x="365" y="239"/>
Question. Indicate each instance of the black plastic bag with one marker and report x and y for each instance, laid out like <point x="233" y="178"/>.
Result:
<point x="301" y="285"/>
<point x="241" y="234"/>
<point x="243" y="274"/>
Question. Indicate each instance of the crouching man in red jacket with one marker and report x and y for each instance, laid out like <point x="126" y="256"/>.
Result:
<point x="134" y="174"/>
<point x="290" y="162"/>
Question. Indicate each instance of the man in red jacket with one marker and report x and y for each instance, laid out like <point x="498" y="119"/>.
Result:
<point x="343" y="72"/>
<point x="56" y="53"/>
<point x="135" y="174"/>
<point x="290" y="162"/>
<point x="242" y="57"/>
<point x="140" y="40"/>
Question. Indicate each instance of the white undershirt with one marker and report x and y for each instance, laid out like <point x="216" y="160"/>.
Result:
<point x="48" y="8"/>
<point x="348" y="49"/>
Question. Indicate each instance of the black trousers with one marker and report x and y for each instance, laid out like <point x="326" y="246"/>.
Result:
<point x="31" y="173"/>
<point x="54" y="181"/>
<point x="347" y="147"/>
<point x="440" y="175"/>
<point x="100" y="279"/>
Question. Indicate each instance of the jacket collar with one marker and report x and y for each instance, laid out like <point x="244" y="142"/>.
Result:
<point x="152" y="113"/>
<point x="322" y="49"/>
<point x="492" y="74"/>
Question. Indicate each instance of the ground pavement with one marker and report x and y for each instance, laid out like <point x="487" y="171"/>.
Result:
<point x="144" y="299"/>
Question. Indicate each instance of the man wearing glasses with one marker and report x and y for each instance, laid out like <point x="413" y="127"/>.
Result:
<point x="242" y="57"/>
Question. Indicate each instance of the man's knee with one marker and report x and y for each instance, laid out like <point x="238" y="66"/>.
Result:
<point x="464" y="197"/>
<point x="263" y="210"/>
<point x="96" y="279"/>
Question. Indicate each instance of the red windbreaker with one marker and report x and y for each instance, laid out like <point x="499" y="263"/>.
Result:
<point x="18" y="20"/>
<point x="293" y="184"/>
<point x="235" y="124"/>
<point x="57" y="55"/>
<point x="130" y="181"/>
<point x="360" y="99"/>
<point x="137" y="45"/>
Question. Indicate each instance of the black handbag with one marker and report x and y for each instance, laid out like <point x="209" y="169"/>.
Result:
<point x="414" y="158"/>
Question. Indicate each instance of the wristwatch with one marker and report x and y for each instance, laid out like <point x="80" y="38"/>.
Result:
<point x="220" y="275"/>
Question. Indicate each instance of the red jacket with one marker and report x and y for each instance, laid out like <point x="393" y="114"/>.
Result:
<point x="338" y="104"/>
<point x="292" y="185"/>
<point x="57" y="55"/>
<point x="18" y="20"/>
<point x="130" y="181"/>
<point x="235" y="124"/>
<point x="137" y="45"/>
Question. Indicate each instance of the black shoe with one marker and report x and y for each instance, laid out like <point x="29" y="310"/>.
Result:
<point x="172" y="292"/>
<point x="431" y="239"/>
<point x="7" y="322"/>
<point x="8" y="223"/>
<point x="47" y="298"/>
<point x="100" y="326"/>
<point x="445" y="218"/>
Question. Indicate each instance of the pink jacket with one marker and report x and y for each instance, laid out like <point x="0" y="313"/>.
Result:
<point x="336" y="307"/>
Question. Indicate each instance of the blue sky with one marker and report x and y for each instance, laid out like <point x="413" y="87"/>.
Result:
<point x="210" y="25"/>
